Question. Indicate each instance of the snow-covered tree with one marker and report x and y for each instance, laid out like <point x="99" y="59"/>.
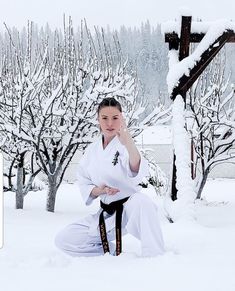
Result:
<point x="55" y="90"/>
<point x="211" y="121"/>
<point x="15" y="92"/>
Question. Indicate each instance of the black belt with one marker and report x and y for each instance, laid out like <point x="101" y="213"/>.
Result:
<point x="116" y="206"/>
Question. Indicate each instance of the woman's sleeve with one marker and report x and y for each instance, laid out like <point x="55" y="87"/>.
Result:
<point x="134" y="177"/>
<point x="83" y="180"/>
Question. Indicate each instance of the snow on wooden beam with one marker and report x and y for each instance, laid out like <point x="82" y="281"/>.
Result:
<point x="185" y="82"/>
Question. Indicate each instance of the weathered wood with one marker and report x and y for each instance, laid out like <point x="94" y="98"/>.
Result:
<point x="185" y="37"/>
<point x="194" y="38"/>
<point x="186" y="82"/>
<point x="173" y="40"/>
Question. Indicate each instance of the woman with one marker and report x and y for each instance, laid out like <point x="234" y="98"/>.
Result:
<point x="112" y="169"/>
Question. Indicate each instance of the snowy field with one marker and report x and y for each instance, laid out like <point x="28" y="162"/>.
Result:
<point x="200" y="254"/>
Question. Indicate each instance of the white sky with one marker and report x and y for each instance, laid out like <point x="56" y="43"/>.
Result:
<point x="112" y="12"/>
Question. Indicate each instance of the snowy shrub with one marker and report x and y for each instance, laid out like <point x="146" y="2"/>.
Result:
<point x="157" y="178"/>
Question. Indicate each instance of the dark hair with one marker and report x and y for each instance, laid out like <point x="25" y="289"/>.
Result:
<point x="109" y="102"/>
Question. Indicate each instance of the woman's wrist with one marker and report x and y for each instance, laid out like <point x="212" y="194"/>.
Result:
<point x="96" y="191"/>
<point x="130" y="145"/>
<point x="134" y="156"/>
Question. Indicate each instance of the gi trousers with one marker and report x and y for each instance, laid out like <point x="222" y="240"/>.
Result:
<point x="140" y="219"/>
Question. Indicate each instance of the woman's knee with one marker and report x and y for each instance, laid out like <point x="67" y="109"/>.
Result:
<point x="71" y="235"/>
<point x="141" y="200"/>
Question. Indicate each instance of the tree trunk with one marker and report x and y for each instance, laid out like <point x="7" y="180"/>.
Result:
<point x="202" y="183"/>
<point x="10" y="184"/>
<point x="51" y="195"/>
<point x="19" y="188"/>
<point x="29" y="184"/>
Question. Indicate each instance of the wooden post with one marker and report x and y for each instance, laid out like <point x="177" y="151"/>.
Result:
<point x="193" y="176"/>
<point x="185" y="37"/>
<point x="185" y="82"/>
<point x="183" y="53"/>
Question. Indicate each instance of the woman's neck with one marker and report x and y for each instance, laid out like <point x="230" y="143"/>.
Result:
<point x="106" y="140"/>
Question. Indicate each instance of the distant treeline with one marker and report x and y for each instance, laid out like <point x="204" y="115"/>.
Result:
<point x="143" y="47"/>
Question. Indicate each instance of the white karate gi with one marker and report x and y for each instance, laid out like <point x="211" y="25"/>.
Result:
<point x="140" y="217"/>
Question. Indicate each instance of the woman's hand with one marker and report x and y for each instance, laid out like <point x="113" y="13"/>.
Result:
<point x="110" y="190"/>
<point x="97" y="191"/>
<point x="123" y="134"/>
<point x="126" y="139"/>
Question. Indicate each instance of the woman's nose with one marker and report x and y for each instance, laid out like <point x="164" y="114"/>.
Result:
<point x="110" y="122"/>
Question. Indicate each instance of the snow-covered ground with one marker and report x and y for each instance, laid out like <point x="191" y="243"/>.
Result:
<point x="200" y="254"/>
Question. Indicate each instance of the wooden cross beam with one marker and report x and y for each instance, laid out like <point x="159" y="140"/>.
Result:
<point x="174" y="40"/>
<point x="182" y="44"/>
<point x="185" y="82"/>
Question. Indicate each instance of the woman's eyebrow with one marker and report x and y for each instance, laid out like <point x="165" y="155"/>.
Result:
<point x="107" y="115"/>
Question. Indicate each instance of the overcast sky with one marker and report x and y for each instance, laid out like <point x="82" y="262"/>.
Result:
<point x="112" y="12"/>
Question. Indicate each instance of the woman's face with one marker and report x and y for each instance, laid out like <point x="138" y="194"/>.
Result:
<point x="110" y="121"/>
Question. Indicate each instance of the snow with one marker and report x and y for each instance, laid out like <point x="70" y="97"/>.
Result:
<point x="158" y="134"/>
<point x="200" y="253"/>
<point x="199" y="248"/>
<point x="184" y="11"/>
<point x="173" y="57"/>
<point x="182" y="208"/>
<point x="196" y="26"/>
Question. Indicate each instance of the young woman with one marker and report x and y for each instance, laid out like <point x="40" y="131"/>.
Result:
<point x="112" y="169"/>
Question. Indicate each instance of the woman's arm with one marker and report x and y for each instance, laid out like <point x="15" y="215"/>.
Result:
<point x="134" y="155"/>
<point x="126" y="139"/>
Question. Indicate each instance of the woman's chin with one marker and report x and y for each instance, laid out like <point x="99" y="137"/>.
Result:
<point x="110" y="134"/>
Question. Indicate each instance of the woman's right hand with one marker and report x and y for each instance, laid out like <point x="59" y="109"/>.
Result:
<point x="109" y="190"/>
<point x="97" y="191"/>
